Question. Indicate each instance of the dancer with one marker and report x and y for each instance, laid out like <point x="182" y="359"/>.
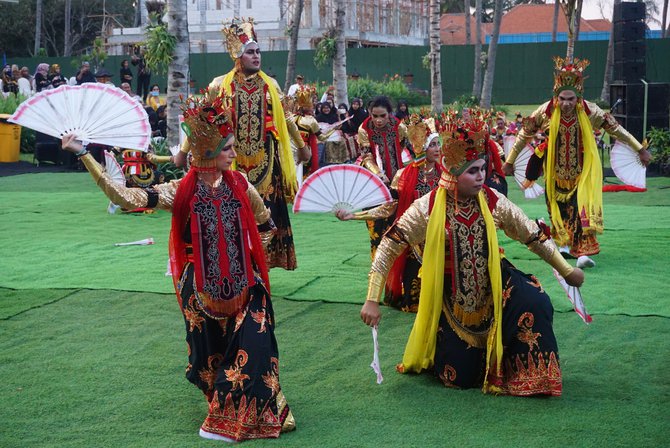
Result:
<point x="572" y="168"/>
<point x="262" y="140"/>
<point x="219" y="225"/>
<point x="410" y="183"/>
<point x="481" y="322"/>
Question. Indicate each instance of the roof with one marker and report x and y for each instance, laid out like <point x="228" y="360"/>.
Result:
<point x="452" y="29"/>
<point x="522" y="19"/>
<point x="527" y="19"/>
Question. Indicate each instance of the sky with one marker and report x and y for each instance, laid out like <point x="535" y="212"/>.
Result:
<point x="599" y="9"/>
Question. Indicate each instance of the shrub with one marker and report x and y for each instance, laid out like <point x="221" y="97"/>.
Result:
<point x="169" y="170"/>
<point x="659" y="146"/>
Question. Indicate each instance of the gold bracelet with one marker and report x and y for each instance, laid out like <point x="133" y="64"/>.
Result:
<point x="376" y="282"/>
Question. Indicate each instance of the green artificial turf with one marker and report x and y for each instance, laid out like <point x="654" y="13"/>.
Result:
<point x="92" y="349"/>
<point x="106" y="368"/>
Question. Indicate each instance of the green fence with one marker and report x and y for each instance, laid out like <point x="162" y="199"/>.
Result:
<point x="524" y="72"/>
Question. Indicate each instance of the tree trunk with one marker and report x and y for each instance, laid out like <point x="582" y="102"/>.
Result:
<point x="554" y="27"/>
<point x="178" y="75"/>
<point x="236" y="8"/>
<point x="578" y="18"/>
<point x="466" y="12"/>
<point x="477" y="81"/>
<point x="67" y="44"/>
<point x="487" y="88"/>
<point x="435" y="75"/>
<point x="144" y="13"/>
<point x="38" y="27"/>
<point x="664" y="28"/>
<point x="569" y="9"/>
<point x="293" y="44"/>
<point x="609" y="66"/>
<point x="340" y="60"/>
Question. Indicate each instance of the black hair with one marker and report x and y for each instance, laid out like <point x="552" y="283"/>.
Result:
<point x="381" y="101"/>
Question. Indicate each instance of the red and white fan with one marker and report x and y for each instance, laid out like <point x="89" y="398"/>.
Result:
<point x="116" y="173"/>
<point x="340" y="187"/>
<point x="531" y="189"/>
<point x="508" y="142"/>
<point x="95" y="113"/>
<point x="627" y="166"/>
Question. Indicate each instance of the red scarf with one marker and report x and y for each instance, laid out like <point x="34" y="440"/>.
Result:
<point x="183" y="212"/>
<point x="385" y="155"/>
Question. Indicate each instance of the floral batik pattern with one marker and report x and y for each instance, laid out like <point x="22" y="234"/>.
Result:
<point x="235" y="362"/>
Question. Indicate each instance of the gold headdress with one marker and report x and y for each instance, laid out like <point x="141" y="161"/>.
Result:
<point x="569" y="76"/>
<point x="463" y="143"/>
<point x="417" y="132"/>
<point x="305" y="96"/>
<point x="208" y="126"/>
<point x="238" y="34"/>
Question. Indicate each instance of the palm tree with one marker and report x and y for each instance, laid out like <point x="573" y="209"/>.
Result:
<point x="664" y="29"/>
<point x="554" y="27"/>
<point x="477" y="81"/>
<point x="340" y="60"/>
<point x="178" y="70"/>
<point x="609" y="64"/>
<point x="38" y="26"/>
<point x="435" y="76"/>
<point x="293" y="43"/>
<point x="578" y="18"/>
<point x="466" y="12"/>
<point x="570" y="10"/>
<point x="487" y="88"/>
<point x="67" y="44"/>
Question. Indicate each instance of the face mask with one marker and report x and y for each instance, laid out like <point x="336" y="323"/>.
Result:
<point x="155" y="93"/>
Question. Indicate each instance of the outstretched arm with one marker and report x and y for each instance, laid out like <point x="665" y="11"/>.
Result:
<point x="161" y="196"/>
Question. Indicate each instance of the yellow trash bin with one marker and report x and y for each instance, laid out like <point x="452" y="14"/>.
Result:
<point x="10" y="140"/>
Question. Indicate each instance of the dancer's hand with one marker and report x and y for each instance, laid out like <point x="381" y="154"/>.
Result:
<point x="508" y="169"/>
<point x="645" y="157"/>
<point x="70" y="143"/>
<point x="344" y="215"/>
<point x="370" y="313"/>
<point x="575" y="278"/>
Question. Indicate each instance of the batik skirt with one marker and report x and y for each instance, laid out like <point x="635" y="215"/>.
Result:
<point x="235" y="363"/>
<point x="579" y="241"/>
<point x="530" y="357"/>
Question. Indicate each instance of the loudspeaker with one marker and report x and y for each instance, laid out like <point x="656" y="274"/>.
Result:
<point x="629" y="71"/>
<point x="635" y="50"/>
<point x="635" y="123"/>
<point x="632" y="98"/>
<point x="629" y="11"/>
<point x="629" y="30"/>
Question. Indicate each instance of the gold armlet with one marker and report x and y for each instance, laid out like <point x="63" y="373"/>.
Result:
<point x="376" y="282"/>
<point x="558" y="262"/>
<point x="92" y="166"/>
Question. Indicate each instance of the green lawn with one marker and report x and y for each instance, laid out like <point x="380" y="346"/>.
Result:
<point x="92" y="346"/>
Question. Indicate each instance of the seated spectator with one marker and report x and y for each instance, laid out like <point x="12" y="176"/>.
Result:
<point x="84" y="74"/>
<point x="126" y="88"/>
<point x="299" y="80"/>
<point x="402" y="111"/>
<point x="154" y="100"/>
<point x="42" y="77"/>
<point x="161" y="112"/>
<point x="104" y="77"/>
<point x="125" y="74"/>
<point x="153" y="121"/>
<point x="55" y="77"/>
<point x="7" y="81"/>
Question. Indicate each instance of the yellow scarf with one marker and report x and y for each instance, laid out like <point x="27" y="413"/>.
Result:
<point x="279" y="122"/>
<point x="420" y="349"/>
<point x="590" y="183"/>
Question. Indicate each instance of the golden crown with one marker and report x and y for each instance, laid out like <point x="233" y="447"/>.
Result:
<point x="238" y="34"/>
<point x="305" y="96"/>
<point x="417" y="132"/>
<point x="208" y="126"/>
<point x="569" y="76"/>
<point x="463" y="143"/>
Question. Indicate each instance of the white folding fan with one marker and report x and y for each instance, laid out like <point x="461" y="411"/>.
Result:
<point x="508" y="142"/>
<point x="575" y="297"/>
<point x="627" y="166"/>
<point x="531" y="190"/>
<point x="116" y="173"/>
<point x="340" y="187"/>
<point x="96" y="113"/>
